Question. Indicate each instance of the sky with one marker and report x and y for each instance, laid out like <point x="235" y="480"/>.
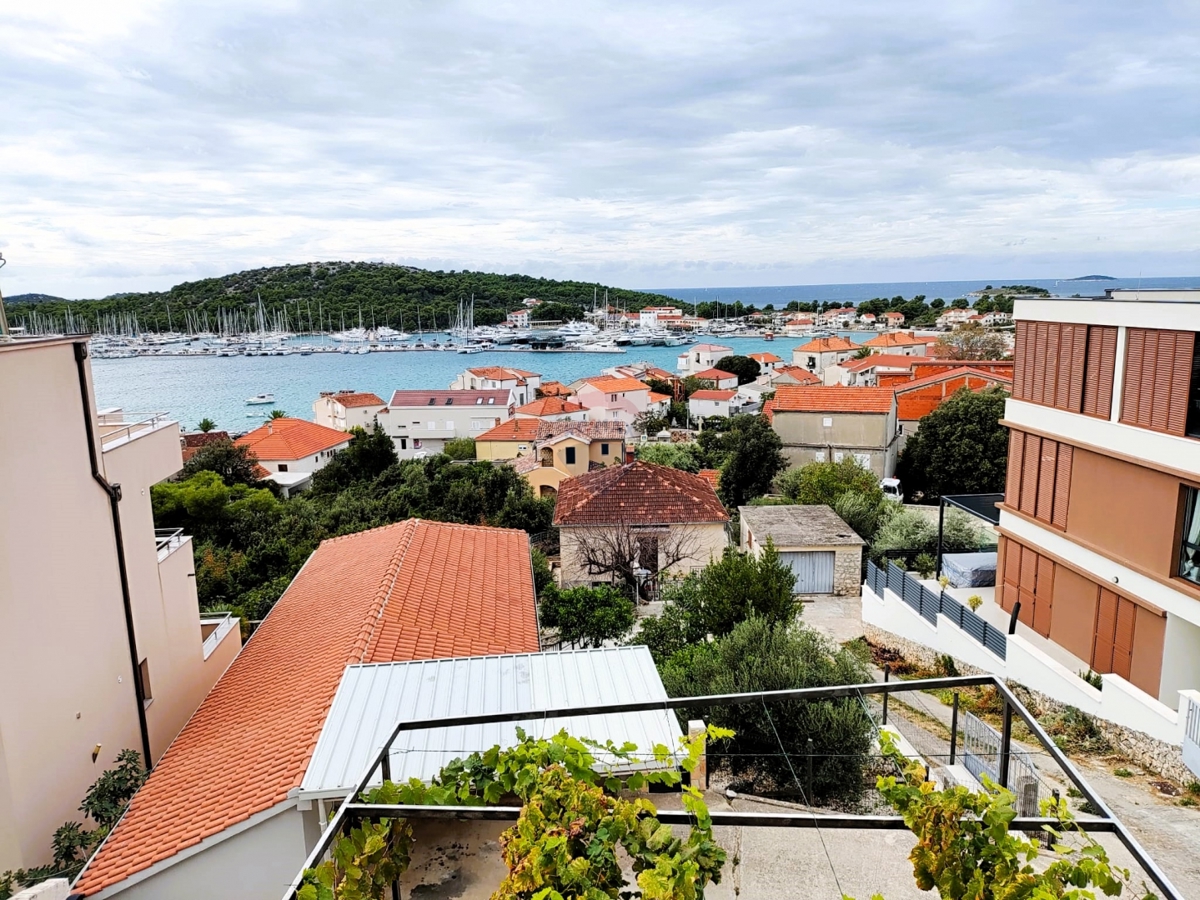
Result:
<point x="148" y="142"/>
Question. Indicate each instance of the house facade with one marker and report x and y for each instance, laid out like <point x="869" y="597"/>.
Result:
<point x="344" y="410"/>
<point x="702" y="404"/>
<point x="420" y="422"/>
<point x="290" y="450"/>
<point x="558" y="409"/>
<point x="521" y="384"/>
<point x="819" y="354"/>
<point x="546" y="452"/>
<point x="823" y="552"/>
<point x="829" y="424"/>
<point x="619" y="399"/>
<point x="700" y="357"/>
<point x="102" y="665"/>
<point x="899" y="343"/>
<point x="672" y="521"/>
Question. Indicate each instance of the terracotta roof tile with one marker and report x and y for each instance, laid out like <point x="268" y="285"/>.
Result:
<point x="658" y="398"/>
<point x="412" y="590"/>
<point x="714" y="375"/>
<point x="602" y="430"/>
<point x="802" y="398"/>
<point x="555" y="389"/>
<point x="550" y="406"/>
<point x="800" y="373"/>
<point x="289" y="439"/>
<point x="512" y="430"/>
<point x="350" y="399"/>
<point x="879" y="360"/>
<point x="765" y="358"/>
<point x="637" y="493"/>
<point x="617" y="385"/>
<point x="713" y="395"/>
<point x="768" y="410"/>
<point x="896" y="339"/>
<point x="503" y="373"/>
<point x="826" y="345"/>
<point x="712" y="476"/>
<point x="199" y="439"/>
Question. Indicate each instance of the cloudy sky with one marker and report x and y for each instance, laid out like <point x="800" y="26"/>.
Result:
<point x="147" y="142"/>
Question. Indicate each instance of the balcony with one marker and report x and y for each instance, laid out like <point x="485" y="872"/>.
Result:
<point x="117" y="427"/>
<point x="168" y="540"/>
<point x="139" y="449"/>
<point x="213" y="630"/>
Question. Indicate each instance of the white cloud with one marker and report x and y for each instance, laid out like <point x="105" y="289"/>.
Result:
<point x="707" y="143"/>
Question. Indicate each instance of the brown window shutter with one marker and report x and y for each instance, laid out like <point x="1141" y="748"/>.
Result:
<point x="1016" y="450"/>
<point x="1164" y="363"/>
<point x="1020" y="360"/>
<point x="1066" y="355"/>
<point x="1108" y="369"/>
<point x="1053" y="333"/>
<point x="1123" y="637"/>
<point x="1131" y="393"/>
<point x="1062" y="486"/>
<point x="1078" y="366"/>
<point x="1029" y="475"/>
<point x="1047" y="468"/>
<point x="1149" y="388"/>
<point x="1012" y="562"/>
<point x="1181" y="381"/>
<point x="1043" y="596"/>
<point x="1106" y="629"/>
<point x="1038" y="395"/>
<point x="1029" y="562"/>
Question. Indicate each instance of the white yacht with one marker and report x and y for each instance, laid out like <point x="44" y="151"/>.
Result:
<point x="259" y="399"/>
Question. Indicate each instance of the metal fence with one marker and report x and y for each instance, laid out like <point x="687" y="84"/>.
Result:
<point x="1191" y="735"/>
<point x="981" y="746"/>
<point x="928" y="604"/>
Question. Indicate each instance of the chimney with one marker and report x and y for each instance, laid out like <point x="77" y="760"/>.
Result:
<point x="270" y="427"/>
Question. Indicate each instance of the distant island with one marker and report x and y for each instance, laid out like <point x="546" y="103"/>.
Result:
<point x="1093" y="278"/>
<point x="34" y="298"/>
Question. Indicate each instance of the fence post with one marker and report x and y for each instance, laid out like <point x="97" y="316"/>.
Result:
<point x="809" y="748"/>
<point x="886" y="671"/>
<point x="696" y="731"/>
<point x="954" y="729"/>
<point x="1006" y="744"/>
<point x="1012" y="620"/>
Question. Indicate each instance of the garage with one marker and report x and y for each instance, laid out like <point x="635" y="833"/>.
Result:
<point x="813" y="570"/>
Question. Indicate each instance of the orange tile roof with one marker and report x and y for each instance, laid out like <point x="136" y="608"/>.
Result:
<point x="947" y="374"/>
<point x="713" y="395"/>
<point x="550" y="406"/>
<point x="290" y="439"/>
<point x="880" y="360"/>
<point x="555" y="389"/>
<point x="503" y="373"/>
<point x="768" y="409"/>
<point x="799" y="373"/>
<point x="802" y="398"/>
<point x="658" y="398"/>
<point x="637" y="493"/>
<point x="826" y="345"/>
<point x="712" y="476"/>
<point x="617" y="385"/>
<point x="715" y="375"/>
<point x="351" y="399"/>
<point x="413" y="590"/>
<point x="916" y="399"/>
<point x="765" y="358"/>
<point x="512" y="430"/>
<point x="896" y="339"/>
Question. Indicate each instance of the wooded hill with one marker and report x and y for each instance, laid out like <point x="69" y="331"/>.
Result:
<point x="327" y="291"/>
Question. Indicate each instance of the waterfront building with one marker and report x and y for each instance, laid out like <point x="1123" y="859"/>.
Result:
<point x="700" y="357"/>
<point x="344" y="410"/>
<point x="523" y="385"/>
<point x="899" y="343"/>
<point x="817" y="355"/>
<point x="420" y="422"/>
<point x="290" y="450"/>
<point x="718" y="379"/>
<point x="103" y="646"/>
<point x="553" y="409"/>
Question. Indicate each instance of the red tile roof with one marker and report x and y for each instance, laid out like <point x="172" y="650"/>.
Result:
<point x="658" y="398"/>
<point x="637" y="493"/>
<point x="601" y="431"/>
<point x="617" y="385"/>
<point x="193" y="443"/>
<point x="801" y="398"/>
<point x="715" y="375"/>
<point x="897" y="339"/>
<point x="524" y="430"/>
<point x="713" y="395"/>
<point x="916" y="399"/>
<point x="707" y="348"/>
<point x="765" y="358"/>
<point x="290" y="439"/>
<point x="550" y="406"/>
<point x="495" y="397"/>
<point x="712" y="476"/>
<point x="555" y="389"/>
<point x="880" y="360"/>
<point x="768" y="409"/>
<point x="800" y="373"/>
<point x="350" y="399"/>
<point x="413" y="590"/>
<point x="826" y="345"/>
<point x="503" y="373"/>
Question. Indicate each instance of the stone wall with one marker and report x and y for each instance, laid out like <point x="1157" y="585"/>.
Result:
<point x="847" y="571"/>
<point x="1140" y="748"/>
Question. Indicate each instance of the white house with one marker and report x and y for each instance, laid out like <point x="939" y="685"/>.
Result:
<point x="817" y="355"/>
<point x="893" y="319"/>
<point x="420" y="422"/>
<point x="522" y="384"/>
<point x="702" y="404"/>
<point x="701" y="357"/>
<point x="718" y="378"/>
<point x="344" y="410"/>
<point x="997" y="318"/>
<point x="867" y="319"/>
<point x="290" y="450"/>
<point x="766" y="361"/>
<point x="952" y="317"/>
<point x="553" y="409"/>
<point x="519" y="318"/>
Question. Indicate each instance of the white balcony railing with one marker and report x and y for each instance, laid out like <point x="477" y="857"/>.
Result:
<point x="118" y="425"/>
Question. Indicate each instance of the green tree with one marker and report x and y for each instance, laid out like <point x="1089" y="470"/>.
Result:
<point x="772" y="738"/>
<point x="233" y="462"/>
<point x="749" y="454"/>
<point x="916" y="533"/>
<point x="937" y="303"/>
<point x="106" y="799"/>
<point x="526" y="512"/>
<point x="960" y="303"/>
<point x="971" y="341"/>
<point x="586" y="616"/>
<point x="460" y="448"/>
<point x="677" y="456"/>
<point x="370" y="454"/>
<point x="959" y="448"/>
<point x="745" y="368"/>
<point x="277" y="414"/>
<point x="824" y="482"/>
<point x="206" y="425"/>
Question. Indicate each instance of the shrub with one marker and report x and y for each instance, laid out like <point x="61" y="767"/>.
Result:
<point x="1095" y="679"/>
<point x="924" y="564"/>
<point x="864" y="512"/>
<point x="824" y="482"/>
<point x="772" y="739"/>
<point x="460" y="448"/>
<point x="974" y="601"/>
<point x="684" y="457"/>
<point x="586" y="616"/>
<point x="908" y="529"/>
<point x="1122" y="772"/>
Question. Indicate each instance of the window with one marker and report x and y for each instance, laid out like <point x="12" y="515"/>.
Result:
<point x="612" y="398"/>
<point x="1039" y="477"/>
<point x="827" y="421"/>
<point x="283" y="467"/>
<point x="604" y="449"/>
<point x="570" y="455"/>
<point x="449" y="401"/>
<point x="403" y="443"/>
<point x="433" y="401"/>
<point x="143" y="674"/>
<point x="1189" y="550"/>
<point x="316" y="459"/>
<point x="432" y="426"/>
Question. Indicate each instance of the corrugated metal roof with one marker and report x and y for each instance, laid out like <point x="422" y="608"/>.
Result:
<point x="372" y="698"/>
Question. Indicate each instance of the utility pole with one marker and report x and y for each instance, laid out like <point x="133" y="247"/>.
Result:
<point x="4" y="334"/>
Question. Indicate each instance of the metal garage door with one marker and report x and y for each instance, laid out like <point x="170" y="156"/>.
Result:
<point x="814" y="571"/>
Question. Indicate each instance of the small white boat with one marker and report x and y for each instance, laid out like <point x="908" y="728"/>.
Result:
<point x="470" y="349"/>
<point x="259" y="399"/>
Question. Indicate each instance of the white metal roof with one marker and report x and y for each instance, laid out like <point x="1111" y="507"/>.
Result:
<point x="371" y="699"/>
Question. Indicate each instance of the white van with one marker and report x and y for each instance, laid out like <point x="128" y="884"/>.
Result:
<point x="892" y="490"/>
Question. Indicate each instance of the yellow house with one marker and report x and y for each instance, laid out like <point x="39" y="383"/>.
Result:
<point x="547" y="452"/>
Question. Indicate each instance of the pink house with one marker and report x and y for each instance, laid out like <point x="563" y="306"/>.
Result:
<point x="615" y="399"/>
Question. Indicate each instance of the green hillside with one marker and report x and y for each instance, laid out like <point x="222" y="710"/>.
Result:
<point x="325" y="292"/>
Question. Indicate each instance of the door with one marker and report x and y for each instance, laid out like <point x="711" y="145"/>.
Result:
<point x="813" y="570"/>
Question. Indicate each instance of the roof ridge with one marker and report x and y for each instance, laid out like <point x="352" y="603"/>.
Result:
<point x="366" y="633"/>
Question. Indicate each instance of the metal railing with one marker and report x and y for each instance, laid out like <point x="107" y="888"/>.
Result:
<point x="355" y="809"/>
<point x="928" y="605"/>
<point x="1191" y="732"/>
<point x="225" y="623"/>
<point x="982" y="747"/>
<point x="122" y="426"/>
<point x="168" y="539"/>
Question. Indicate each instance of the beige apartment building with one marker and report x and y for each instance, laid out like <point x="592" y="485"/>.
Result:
<point x="829" y="424"/>
<point x="103" y="647"/>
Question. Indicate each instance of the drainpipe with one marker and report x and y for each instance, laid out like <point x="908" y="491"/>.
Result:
<point x="114" y="498"/>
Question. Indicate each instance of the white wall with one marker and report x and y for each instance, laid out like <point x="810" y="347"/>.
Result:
<point x="255" y="864"/>
<point x="1181" y="659"/>
<point x="312" y="463"/>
